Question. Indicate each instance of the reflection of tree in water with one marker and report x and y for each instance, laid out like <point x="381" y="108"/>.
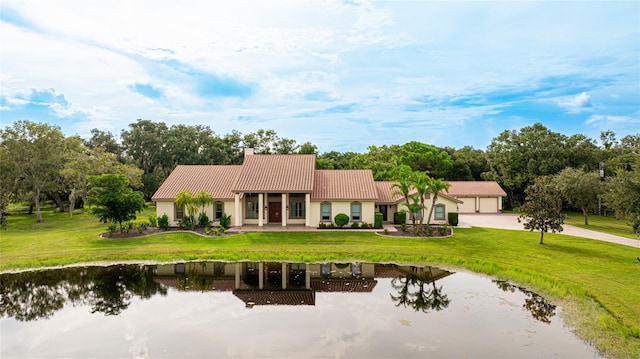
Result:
<point x="539" y="307"/>
<point x="423" y="299"/>
<point x="109" y="290"/>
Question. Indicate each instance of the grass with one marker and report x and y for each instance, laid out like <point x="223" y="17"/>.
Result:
<point x="597" y="283"/>
<point x="603" y="224"/>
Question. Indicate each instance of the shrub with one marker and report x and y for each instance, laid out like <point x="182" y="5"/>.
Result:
<point x="112" y="228"/>
<point x="163" y="222"/>
<point x="207" y="230"/>
<point x="153" y="221"/>
<point x="377" y="222"/>
<point x="322" y="225"/>
<point x="386" y="231"/>
<point x="187" y="222"/>
<point x="418" y="230"/>
<point x="331" y="225"/>
<point x="225" y="221"/>
<point x="203" y="220"/>
<point x="429" y="231"/>
<point x="341" y="219"/>
<point x="128" y="226"/>
<point x="355" y="225"/>
<point x="443" y="230"/>
<point x="452" y="218"/>
<point x="400" y="217"/>
<point x="142" y="226"/>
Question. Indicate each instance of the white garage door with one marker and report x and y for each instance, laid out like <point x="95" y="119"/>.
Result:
<point x="469" y="205"/>
<point x="489" y="205"/>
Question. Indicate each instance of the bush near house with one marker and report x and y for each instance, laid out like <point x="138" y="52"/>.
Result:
<point x="452" y="218"/>
<point x="400" y="217"/>
<point x="377" y="222"/>
<point x="341" y="219"/>
<point x="225" y="221"/>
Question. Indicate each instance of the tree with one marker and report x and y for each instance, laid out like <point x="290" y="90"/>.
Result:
<point x="421" y="182"/>
<point x="35" y="155"/>
<point x="5" y="199"/>
<point x="436" y="185"/>
<point x="113" y="200"/>
<point x="516" y="158"/>
<point x="402" y="185"/>
<point x="104" y="140"/>
<point x="622" y="194"/>
<point x="579" y="188"/>
<point x="202" y="199"/>
<point x="542" y="207"/>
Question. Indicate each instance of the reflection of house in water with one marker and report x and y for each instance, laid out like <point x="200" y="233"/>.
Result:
<point x="270" y="283"/>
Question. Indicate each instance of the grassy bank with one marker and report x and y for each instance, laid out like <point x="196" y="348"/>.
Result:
<point x="597" y="283"/>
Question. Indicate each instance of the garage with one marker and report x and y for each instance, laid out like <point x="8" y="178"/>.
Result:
<point x="489" y="205"/>
<point x="478" y="196"/>
<point x="469" y="205"/>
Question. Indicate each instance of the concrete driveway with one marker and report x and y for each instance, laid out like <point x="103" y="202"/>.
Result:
<point x="510" y="221"/>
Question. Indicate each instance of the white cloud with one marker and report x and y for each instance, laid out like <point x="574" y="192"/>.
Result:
<point x="576" y="104"/>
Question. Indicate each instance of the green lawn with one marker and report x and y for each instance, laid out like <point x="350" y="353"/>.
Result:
<point x="597" y="283"/>
<point x="603" y="224"/>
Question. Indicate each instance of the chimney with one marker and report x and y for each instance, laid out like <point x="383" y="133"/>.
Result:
<point x="248" y="152"/>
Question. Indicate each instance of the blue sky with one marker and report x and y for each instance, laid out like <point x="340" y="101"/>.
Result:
<point x="341" y="74"/>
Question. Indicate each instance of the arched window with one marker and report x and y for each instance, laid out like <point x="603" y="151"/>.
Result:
<point x="439" y="212"/>
<point x="325" y="211"/>
<point x="356" y="211"/>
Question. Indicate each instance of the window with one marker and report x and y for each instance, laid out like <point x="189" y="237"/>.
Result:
<point x="252" y="205"/>
<point x="218" y="210"/>
<point x="298" y="266"/>
<point x="356" y="211"/>
<point x="325" y="211"/>
<point x="356" y="270"/>
<point x="218" y="268"/>
<point x="178" y="212"/>
<point x="325" y="269"/>
<point x="179" y="268"/>
<point x="439" y="212"/>
<point x="296" y="205"/>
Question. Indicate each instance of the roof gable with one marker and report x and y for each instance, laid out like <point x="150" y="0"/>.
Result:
<point x="344" y="184"/>
<point x="276" y="173"/>
<point x="216" y="180"/>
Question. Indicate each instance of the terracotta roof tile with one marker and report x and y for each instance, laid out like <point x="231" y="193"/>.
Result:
<point x="280" y="297"/>
<point x="386" y="193"/>
<point x="343" y="285"/>
<point x="475" y="188"/>
<point x="276" y="173"/>
<point x="216" y="180"/>
<point x="344" y="184"/>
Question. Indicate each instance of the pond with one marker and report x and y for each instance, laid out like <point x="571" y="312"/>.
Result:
<point x="275" y="310"/>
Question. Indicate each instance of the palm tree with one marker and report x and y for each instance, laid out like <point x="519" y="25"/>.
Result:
<point x="421" y="183"/>
<point x="402" y="187"/>
<point x="184" y="199"/>
<point x="435" y="187"/>
<point x="203" y="198"/>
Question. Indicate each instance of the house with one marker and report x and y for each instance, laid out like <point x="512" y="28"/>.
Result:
<point x="477" y="196"/>
<point x="287" y="190"/>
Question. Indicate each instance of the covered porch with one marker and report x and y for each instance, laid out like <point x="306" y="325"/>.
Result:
<point x="283" y="209"/>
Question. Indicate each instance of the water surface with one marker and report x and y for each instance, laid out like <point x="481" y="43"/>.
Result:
<point x="276" y="310"/>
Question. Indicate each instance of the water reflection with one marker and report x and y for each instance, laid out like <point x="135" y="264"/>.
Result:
<point x="539" y="307"/>
<point x="109" y="290"/>
<point x="411" y="289"/>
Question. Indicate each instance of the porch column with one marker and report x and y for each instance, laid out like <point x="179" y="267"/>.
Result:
<point x="238" y="210"/>
<point x="283" y="210"/>
<point x="261" y="275"/>
<point x="260" y="209"/>
<point x="307" y="209"/>
<point x="307" y="277"/>
<point x="477" y="204"/>
<point x="238" y="269"/>
<point x="285" y="275"/>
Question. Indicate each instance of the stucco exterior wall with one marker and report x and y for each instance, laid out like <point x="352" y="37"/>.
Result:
<point x="167" y="207"/>
<point x="450" y="206"/>
<point x="367" y="215"/>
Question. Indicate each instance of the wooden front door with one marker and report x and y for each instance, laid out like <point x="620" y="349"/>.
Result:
<point x="275" y="209"/>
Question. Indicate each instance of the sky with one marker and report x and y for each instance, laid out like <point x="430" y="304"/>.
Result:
<point x="343" y="75"/>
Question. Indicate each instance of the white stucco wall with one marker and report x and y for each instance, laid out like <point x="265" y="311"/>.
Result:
<point x="167" y="207"/>
<point x="368" y="211"/>
<point x="450" y="206"/>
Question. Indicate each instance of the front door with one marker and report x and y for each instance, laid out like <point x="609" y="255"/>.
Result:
<point x="275" y="209"/>
<point x="383" y="209"/>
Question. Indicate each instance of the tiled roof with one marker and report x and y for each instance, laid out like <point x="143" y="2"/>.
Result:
<point x="280" y="297"/>
<point x="475" y="188"/>
<point x="221" y="285"/>
<point x="343" y="285"/>
<point x="344" y="184"/>
<point x="276" y="173"/>
<point x="217" y="180"/>
<point x="386" y="193"/>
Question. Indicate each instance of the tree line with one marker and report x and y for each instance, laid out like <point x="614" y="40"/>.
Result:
<point x="39" y="162"/>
